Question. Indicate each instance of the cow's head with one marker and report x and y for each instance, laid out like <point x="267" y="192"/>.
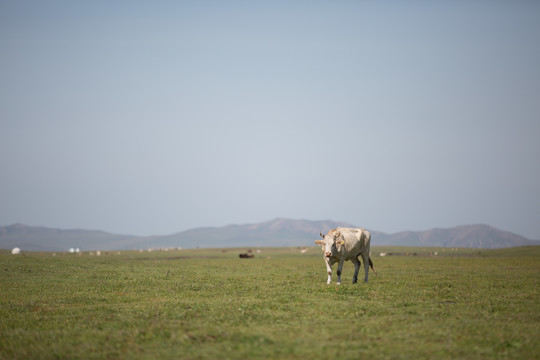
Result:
<point x="331" y="243"/>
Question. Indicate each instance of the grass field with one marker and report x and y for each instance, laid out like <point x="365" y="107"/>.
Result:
<point x="209" y="304"/>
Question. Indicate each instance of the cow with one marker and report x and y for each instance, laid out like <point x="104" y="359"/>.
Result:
<point x="342" y="244"/>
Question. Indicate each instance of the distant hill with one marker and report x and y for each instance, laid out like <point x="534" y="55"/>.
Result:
<point x="468" y="236"/>
<point x="277" y="232"/>
<point x="33" y="238"/>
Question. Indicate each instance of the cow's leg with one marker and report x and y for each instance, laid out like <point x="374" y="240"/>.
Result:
<point x="356" y="263"/>
<point x="328" y="269"/>
<point x="365" y="257"/>
<point x="340" y="267"/>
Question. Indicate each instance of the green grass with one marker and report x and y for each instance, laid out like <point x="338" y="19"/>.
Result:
<point x="207" y="304"/>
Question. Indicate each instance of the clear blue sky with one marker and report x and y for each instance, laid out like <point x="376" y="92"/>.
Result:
<point x="155" y="117"/>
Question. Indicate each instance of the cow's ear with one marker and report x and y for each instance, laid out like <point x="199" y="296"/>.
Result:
<point x="340" y="242"/>
<point x="337" y="234"/>
<point x="319" y="242"/>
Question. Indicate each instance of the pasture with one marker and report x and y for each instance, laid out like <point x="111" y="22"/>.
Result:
<point x="209" y="304"/>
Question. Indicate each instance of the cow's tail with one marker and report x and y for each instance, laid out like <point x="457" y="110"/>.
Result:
<point x="371" y="265"/>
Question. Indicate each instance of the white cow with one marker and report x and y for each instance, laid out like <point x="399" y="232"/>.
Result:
<point x="343" y="244"/>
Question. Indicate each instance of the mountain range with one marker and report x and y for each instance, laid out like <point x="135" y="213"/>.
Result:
<point x="277" y="232"/>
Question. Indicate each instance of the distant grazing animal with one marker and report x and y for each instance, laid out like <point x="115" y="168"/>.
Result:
<point x="246" y="256"/>
<point x="343" y="244"/>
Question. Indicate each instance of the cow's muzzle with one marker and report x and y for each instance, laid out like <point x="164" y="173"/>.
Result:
<point x="328" y="254"/>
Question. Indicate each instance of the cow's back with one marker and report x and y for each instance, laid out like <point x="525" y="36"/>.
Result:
<point x="357" y="240"/>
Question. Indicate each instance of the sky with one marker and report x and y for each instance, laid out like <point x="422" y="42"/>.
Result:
<point x="150" y="118"/>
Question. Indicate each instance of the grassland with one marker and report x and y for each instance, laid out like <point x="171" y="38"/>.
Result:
<point x="209" y="304"/>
